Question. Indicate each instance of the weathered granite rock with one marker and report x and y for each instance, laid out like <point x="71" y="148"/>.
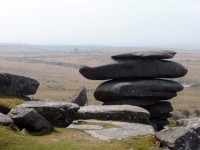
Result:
<point x="153" y="89"/>
<point x="191" y="123"/>
<point x="159" y="109"/>
<point x="115" y="112"/>
<point x="6" y="120"/>
<point x="132" y="129"/>
<point x="179" y="138"/>
<point x="85" y="127"/>
<point x="32" y="121"/>
<point x="134" y="68"/>
<point x="80" y="97"/>
<point x="19" y="85"/>
<point x="121" y="129"/>
<point x="154" y="54"/>
<point x="134" y="102"/>
<point x="3" y="78"/>
<point x="159" y="124"/>
<point x="57" y="113"/>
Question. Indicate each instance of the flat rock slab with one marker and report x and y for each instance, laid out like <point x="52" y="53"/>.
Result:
<point x="154" y="54"/>
<point x="32" y="121"/>
<point x="115" y="112"/>
<point x="80" y="97"/>
<point x="57" y="113"/>
<point x="134" y="102"/>
<point x="133" y="68"/>
<point x="179" y="138"/>
<point x="6" y="120"/>
<point x="159" y="109"/>
<point x="19" y="85"/>
<point x="192" y="123"/>
<point x="153" y="89"/>
<point x="85" y="127"/>
<point x="133" y="129"/>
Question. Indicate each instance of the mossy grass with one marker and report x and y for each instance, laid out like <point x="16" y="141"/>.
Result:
<point x="64" y="139"/>
<point x="7" y="102"/>
<point x="172" y="123"/>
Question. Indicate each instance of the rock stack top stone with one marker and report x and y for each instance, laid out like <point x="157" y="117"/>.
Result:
<point x="133" y="68"/>
<point x="164" y="54"/>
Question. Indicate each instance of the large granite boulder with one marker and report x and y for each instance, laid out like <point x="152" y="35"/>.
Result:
<point x="134" y="68"/>
<point x="19" y="85"/>
<point x="134" y="102"/>
<point x="153" y="89"/>
<point x="154" y="54"/>
<point x="3" y="78"/>
<point x="57" y="113"/>
<point x="80" y="97"/>
<point x="159" y="109"/>
<point x="115" y="112"/>
<point x="179" y="138"/>
<point x="6" y="120"/>
<point x="31" y="120"/>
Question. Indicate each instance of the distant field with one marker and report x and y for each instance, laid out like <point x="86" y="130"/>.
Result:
<point x="59" y="77"/>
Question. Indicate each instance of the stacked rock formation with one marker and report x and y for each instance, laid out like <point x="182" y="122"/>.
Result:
<point x="134" y="81"/>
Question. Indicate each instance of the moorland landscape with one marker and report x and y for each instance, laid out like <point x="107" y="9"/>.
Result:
<point x="56" y="68"/>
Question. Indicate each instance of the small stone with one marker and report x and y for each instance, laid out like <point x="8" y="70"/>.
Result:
<point x="80" y="97"/>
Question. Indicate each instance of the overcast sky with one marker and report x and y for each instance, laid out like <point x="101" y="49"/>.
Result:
<point x="159" y="23"/>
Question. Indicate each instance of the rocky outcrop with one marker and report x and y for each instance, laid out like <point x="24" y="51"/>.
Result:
<point x="116" y="130"/>
<point x="179" y="138"/>
<point x="159" y="54"/>
<point x="18" y="85"/>
<point x="138" y="89"/>
<point x="57" y="113"/>
<point x="134" y="68"/>
<point x="32" y="121"/>
<point x="134" y="81"/>
<point x="6" y="120"/>
<point x="115" y="112"/>
<point x="80" y="97"/>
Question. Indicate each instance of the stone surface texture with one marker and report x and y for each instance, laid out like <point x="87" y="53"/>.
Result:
<point x="115" y="112"/>
<point x="19" y="85"/>
<point x="57" y="113"/>
<point x="153" y="89"/>
<point x="80" y="97"/>
<point x="31" y="120"/>
<point x="154" y="54"/>
<point x="179" y="138"/>
<point x="134" y="68"/>
<point x="6" y="120"/>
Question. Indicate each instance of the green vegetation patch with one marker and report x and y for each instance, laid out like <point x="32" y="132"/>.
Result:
<point x="64" y="139"/>
<point x="7" y="102"/>
<point x="172" y="123"/>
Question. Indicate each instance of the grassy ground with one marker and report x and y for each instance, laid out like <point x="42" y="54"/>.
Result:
<point x="69" y="139"/>
<point x="7" y="102"/>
